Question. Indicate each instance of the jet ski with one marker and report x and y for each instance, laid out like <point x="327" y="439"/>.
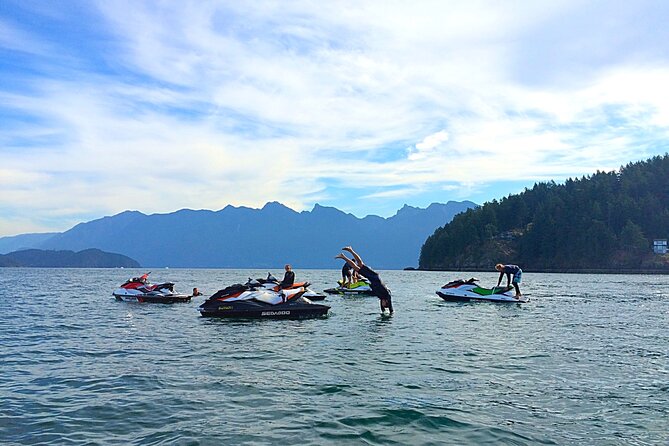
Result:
<point x="255" y="301"/>
<point x="468" y="290"/>
<point x="359" y="288"/>
<point x="271" y="283"/>
<point x="139" y="289"/>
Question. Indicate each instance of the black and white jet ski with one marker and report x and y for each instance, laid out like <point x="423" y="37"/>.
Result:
<point x="273" y="284"/>
<point x="359" y="288"/>
<point x="256" y="301"/>
<point x="468" y="290"/>
<point x="139" y="289"/>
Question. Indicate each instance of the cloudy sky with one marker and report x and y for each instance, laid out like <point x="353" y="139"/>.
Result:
<point x="362" y="105"/>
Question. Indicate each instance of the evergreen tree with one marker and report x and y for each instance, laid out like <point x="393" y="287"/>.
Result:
<point x="604" y="220"/>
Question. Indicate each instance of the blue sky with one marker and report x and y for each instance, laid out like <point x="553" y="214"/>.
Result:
<point x="362" y="105"/>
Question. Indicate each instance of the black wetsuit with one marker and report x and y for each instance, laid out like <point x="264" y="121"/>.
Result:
<point x="379" y="289"/>
<point x="288" y="280"/>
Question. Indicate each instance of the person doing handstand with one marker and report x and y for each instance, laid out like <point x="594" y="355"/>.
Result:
<point x="517" y="276"/>
<point x="378" y="287"/>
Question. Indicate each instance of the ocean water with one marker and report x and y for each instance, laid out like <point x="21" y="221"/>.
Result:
<point x="585" y="362"/>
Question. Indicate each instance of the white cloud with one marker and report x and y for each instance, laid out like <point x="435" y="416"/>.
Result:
<point x="211" y="103"/>
<point x="427" y="145"/>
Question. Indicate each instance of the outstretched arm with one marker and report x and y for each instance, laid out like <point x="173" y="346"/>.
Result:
<point x="355" y="255"/>
<point x="353" y="265"/>
<point x="501" y="274"/>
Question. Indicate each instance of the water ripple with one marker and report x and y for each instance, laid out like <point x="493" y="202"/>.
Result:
<point x="567" y="368"/>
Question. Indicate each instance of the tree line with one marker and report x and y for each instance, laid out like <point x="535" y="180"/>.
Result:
<point x="607" y="220"/>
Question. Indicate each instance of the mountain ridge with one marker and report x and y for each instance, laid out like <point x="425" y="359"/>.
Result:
<point x="87" y="258"/>
<point x="242" y="237"/>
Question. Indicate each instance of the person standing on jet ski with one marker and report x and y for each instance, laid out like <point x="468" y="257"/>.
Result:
<point x="288" y="278"/>
<point x="378" y="287"/>
<point x="346" y="275"/>
<point x="508" y="270"/>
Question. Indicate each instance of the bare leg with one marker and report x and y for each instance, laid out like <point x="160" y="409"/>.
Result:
<point x="386" y="304"/>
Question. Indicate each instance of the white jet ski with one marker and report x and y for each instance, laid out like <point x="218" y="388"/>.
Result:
<point x="139" y="289"/>
<point x="468" y="290"/>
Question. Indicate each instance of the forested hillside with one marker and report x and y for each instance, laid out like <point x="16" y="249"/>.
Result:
<point x="89" y="258"/>
<point x="604" y="221"/>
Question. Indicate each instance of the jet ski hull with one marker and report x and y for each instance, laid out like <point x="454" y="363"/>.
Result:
<point x="249" y="309"/>
<point x="153" y="299"/>
<point x="460" y="298"/>
<point x="349" y="292"/>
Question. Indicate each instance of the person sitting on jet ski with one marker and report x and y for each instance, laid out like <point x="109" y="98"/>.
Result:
<point x="508" y="270"/>
<point x="378" y="287"/>
<point x="288" y="278"/>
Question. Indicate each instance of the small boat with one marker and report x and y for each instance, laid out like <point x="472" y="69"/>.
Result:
<point x="139" y="289"/>
<point x="359" y="288"/>
<point x="258" y="302"/>
<point x="461" y="290"/>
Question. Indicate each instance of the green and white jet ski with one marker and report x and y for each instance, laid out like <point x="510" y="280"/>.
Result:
<point x="468" y="290"/>
<point x="359" y="288"/>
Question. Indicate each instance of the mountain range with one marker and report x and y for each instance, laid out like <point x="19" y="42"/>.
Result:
<point x="242" y="237"/>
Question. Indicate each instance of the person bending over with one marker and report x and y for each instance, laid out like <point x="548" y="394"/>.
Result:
<point x="509" y="270"/>
<point x="378" y="287"/>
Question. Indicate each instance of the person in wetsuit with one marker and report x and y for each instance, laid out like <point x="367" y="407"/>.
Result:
<point x="288" y="278"/>
<point x="510" y="270"/>
<point x="378" y="287"/>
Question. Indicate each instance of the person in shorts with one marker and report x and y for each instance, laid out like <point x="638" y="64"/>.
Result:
<point x="510" y="270"/>
<point x="346" y="275"/>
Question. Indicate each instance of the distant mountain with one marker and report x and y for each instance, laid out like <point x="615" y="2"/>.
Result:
<point x="89" y="258"/>
<point x="23" y="241"/>
<point x="241" y="237"/>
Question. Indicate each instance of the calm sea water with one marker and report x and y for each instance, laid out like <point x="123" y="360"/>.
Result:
<point x="585" y="362"/>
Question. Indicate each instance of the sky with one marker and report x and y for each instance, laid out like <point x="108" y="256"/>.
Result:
<point x="156" y="106"/>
